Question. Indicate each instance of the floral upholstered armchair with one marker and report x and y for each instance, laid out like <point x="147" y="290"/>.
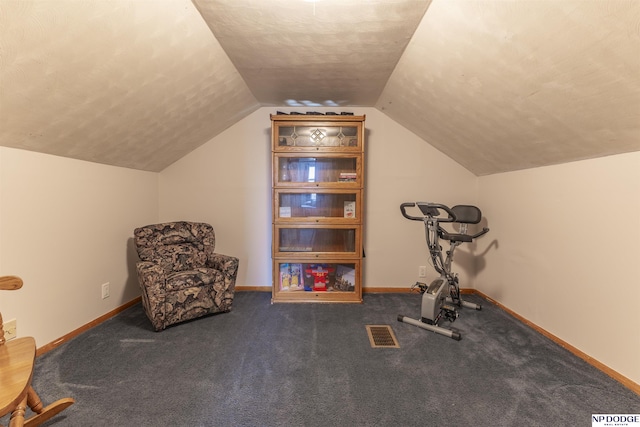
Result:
<point x="180" y="276"/>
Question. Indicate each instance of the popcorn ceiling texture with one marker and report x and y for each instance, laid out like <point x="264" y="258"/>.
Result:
<point x="137" y="84"/>
<point x="342" y="51"/>
<point x="502" y="86"/>
<point x="495" y="85"/>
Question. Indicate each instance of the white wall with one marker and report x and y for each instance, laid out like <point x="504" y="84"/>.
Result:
<point x="66" y="227"/>
<point x="227" y="182"/>
<point x="401" y="167"/>
<point x="566" y="254"/>
<point x="1" y="199"/>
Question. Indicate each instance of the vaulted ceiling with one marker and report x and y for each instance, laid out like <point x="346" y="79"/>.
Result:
<point x="496" y="85"/>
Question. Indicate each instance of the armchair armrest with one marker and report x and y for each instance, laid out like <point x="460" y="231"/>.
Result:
<point x="228" y="265"/>
<point x="152" y="278"/>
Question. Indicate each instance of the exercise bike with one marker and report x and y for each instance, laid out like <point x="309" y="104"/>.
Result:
<point x="441" y="299"/>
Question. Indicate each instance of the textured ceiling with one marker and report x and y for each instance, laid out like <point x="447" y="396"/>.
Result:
<point x="496" y="85"/>
<point x="507" y="85"/>
<point x="328" y="52"/>
<point x="131" y="83"/>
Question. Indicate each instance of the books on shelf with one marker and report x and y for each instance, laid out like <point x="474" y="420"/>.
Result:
<point x="285" y="212"/>
<point x="291" y="277"/>
<point x="347" y="177"/>
<point x="345" y="278"/>
<point x="321" y="275"/>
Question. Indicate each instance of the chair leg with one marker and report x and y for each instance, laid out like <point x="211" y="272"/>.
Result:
<point x="33" y="400"/>
<point x="17" y="415"/>
<point x="41" y="414"/>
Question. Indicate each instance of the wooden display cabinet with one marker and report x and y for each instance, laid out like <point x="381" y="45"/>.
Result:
<point x="318" y="182"/>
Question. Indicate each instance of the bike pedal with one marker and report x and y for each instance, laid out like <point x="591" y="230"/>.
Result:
<point x="450" y="312"/>
<point x="422" y="287"/>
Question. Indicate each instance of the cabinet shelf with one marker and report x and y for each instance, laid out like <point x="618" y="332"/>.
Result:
<point x="328" y="281"/>
<point x="323" y="206"/>
<point x="319" y="134"/>
<point x="319" y="170"/>
<point x="317" y="241"/>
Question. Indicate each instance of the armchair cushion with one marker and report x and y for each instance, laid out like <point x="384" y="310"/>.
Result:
<point x="180" y="275"/>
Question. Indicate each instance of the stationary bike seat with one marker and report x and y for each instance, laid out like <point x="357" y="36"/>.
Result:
<point x="465" y="238"/>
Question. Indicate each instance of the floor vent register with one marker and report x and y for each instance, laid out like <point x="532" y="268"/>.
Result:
<point x="382" y="336"/>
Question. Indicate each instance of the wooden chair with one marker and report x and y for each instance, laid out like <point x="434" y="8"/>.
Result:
<point x="17" y="359"/>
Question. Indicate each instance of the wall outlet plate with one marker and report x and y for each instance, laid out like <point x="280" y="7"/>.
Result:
<point x="422" y="271"/>
<point x="105" y="290"/>
<point x="10" y="329"/>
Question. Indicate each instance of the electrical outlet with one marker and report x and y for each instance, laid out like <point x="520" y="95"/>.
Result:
<point x="10" y="329"/>
<point x="422" y="271"/>
<point x="105" y="290"/>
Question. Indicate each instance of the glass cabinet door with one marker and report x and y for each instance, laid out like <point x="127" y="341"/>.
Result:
<point x="316" y="277"/>
<point x="290" y="170"/>
<point x="317" y="241"/>
<point x="318" y="136"/>
<point x="318" y="206"/>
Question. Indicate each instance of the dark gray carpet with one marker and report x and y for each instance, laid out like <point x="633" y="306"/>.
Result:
<point x="312" y="365"/>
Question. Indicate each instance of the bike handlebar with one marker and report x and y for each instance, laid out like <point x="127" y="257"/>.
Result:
<point x="433" y="210"/>
<point x="403" y="207"/>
